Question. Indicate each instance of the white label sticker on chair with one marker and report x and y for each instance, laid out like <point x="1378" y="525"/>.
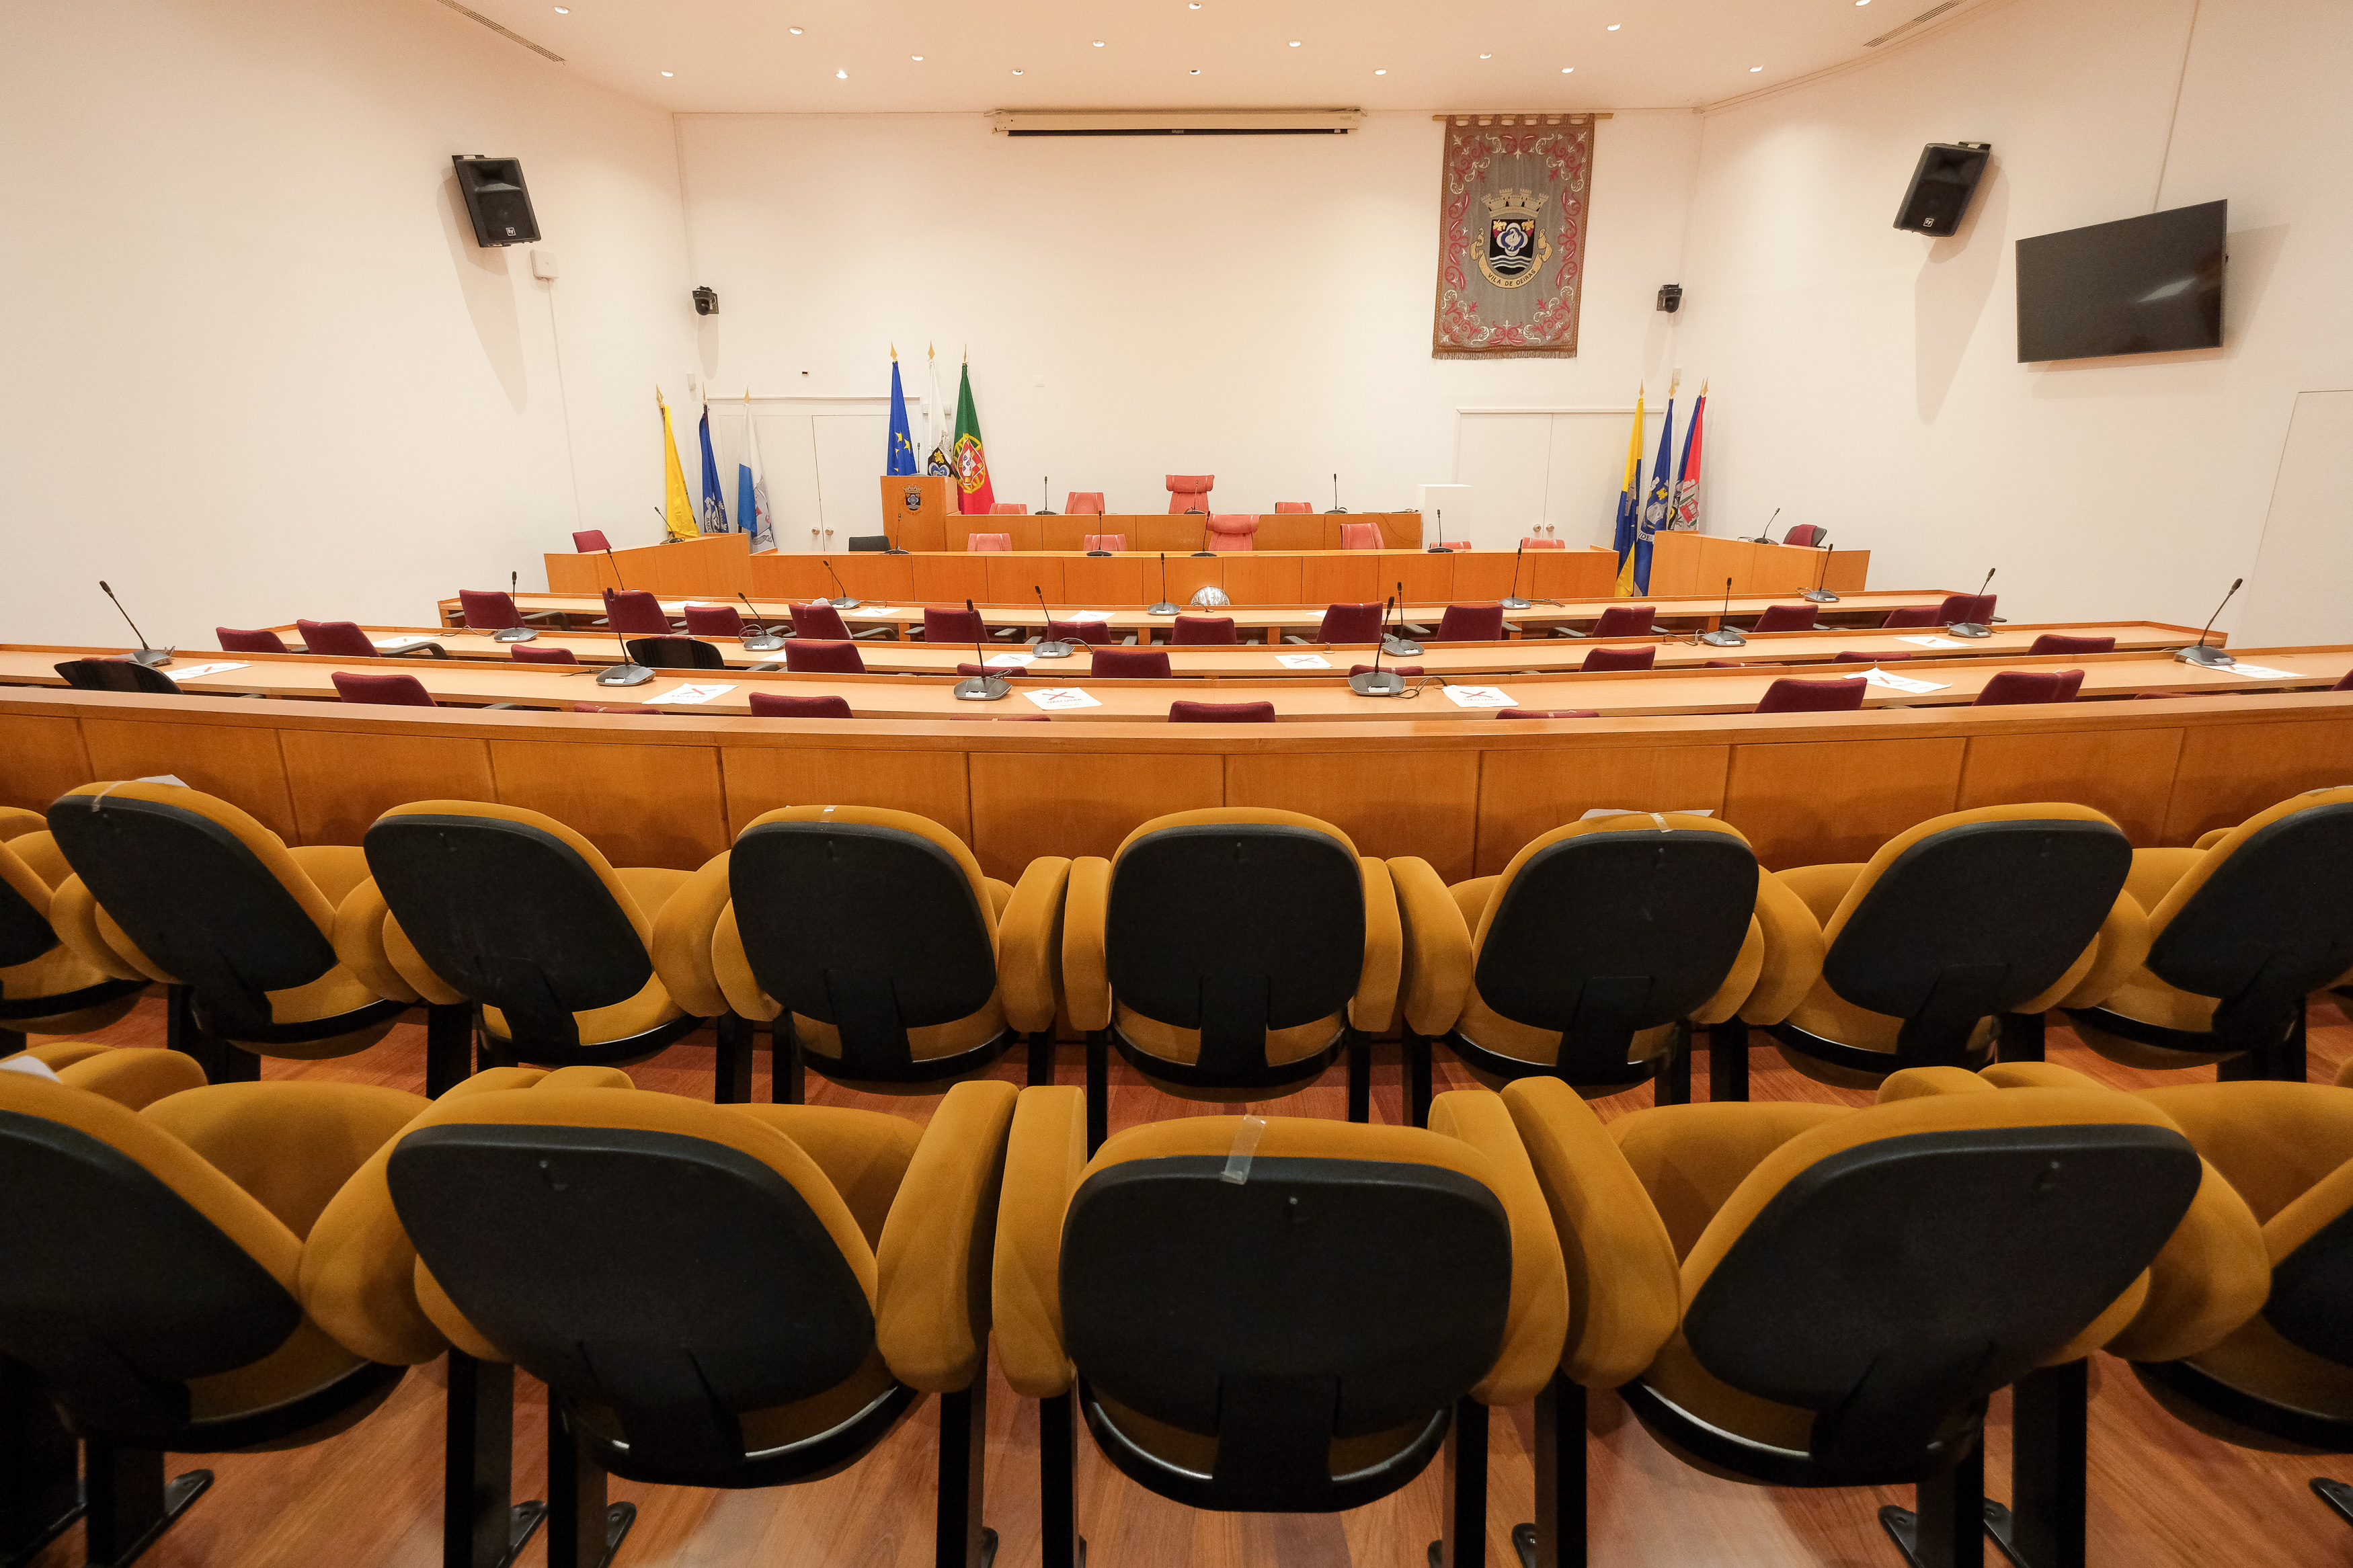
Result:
<point x="175" y="780"/>
<point x="199" y="671"/>
<point x="31" y="1067"/>
<point x="1061" y="697"/>
<point x="1302" y="661"/>
<point x="1479" y="697"/>
<point x="685" y="694"/>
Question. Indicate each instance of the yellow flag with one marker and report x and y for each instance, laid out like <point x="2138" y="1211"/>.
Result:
<point x="1629" y="504"/>
<point x="678" y="511"/>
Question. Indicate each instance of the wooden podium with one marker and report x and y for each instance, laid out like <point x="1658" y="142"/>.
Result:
<point x="917" y="510"/>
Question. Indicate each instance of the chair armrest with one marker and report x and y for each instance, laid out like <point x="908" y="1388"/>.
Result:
<point x="359" y="943"/>
<point x="1436" y="976"/>
<point x="2212" y="1275"/>
<point x="931" y="1292"/>
<point x="134" y="1077"/>
<point x="1739" y="981"/>
<point x="1539" y="1313"/>
<point x="682" y="944"/>
<point x="82" y="926"/>
<point x="2208" y="840"/>
<point x="1086" y="981"/>
<point x="290" y="1145"/>
<point x="1374" y="1007"/>
<point x="2117" y="952"/>
<point x="734" y="973"/>
<point x="1029" y="945"/>
<point x="1044" y="1159"/>
<point x="1625" y="1291"/>
<point x="1793" y="952"/>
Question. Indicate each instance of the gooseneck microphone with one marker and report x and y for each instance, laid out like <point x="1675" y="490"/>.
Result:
<point x="1724" y="635"/>
<point x="1765" y="535"/>
<point x="1164" y="607"/>
<point x="983" y="687"/>
<point x="1438" y="545"/>
<point x="1515" y="602"/>
<point x="518" y="632"/>
<point x="1049" y="646"/>
<point x="1335" y="494"/>
<point x="1377" y="682"/>
<point x="1977" y="629"/>
<point x="1396" y="643"/>
<point x="1818" y="595"/>
<point x="1205" y="551"/>
<point x="628" y="672"/>
<point x="845" y="602"/>
<point x="2213" y="657"/>
<point x="1045" y="495"/>
<point x="762" y="639"/>
<point x="153" y="658"/>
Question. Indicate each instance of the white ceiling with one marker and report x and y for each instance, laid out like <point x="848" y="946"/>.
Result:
<point x="740" y="55"/>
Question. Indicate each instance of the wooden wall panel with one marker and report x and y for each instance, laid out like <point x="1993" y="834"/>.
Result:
<point x="1011" y="577"/>
<point x="1293" y="531"/>
<point x="763" y="778"/>
<point x="1482" y="579"/>
<point x="947" y="579"/>
<point x="240" y="763"/>
<point x="1340" y="579"/>
<point x="1028" y="804"/>
<point x="1570" y="574"/>
<point x="1523" y="794"/>
<point x="340" y="781"/>
<point x="2127" y="773"/>
<point x="1391" y="802"/>
<point x="781" y="576"/>
<point x="1095" y="581"/>
<point x="641" y="806"/>
<point x="1253" y="579"/>
<point x="2229" y="772"/>
<point x="867" y="574"/>
<point x="1808" y="805"/>
<point x="1429" y="579"/>
<point x="41" y="758"/>
<point x="1188" y="574"/>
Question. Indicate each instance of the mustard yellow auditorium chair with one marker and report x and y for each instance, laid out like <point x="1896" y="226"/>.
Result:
<point x="1593" y="954"/>
<point x="180" y="888"/>
<point x="148" y="1297"/>
<point x="134" y="1077"/>
<point x="570" y="959"/>
<point x="2242" y="928"/>
<point x="1230" y="955"/>
<point x="876" y="950"/>
<point x="731" y="1296"/>
<point x="2284" y="1382"/>
<point x="1955" y="937"/>
<point x="45" y="987"/>
<point x="1846" y="1288"/>
<point x="1275" y="1314"/>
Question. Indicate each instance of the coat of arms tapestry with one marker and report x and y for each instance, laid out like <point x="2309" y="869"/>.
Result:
<point x="1511" y="236"/>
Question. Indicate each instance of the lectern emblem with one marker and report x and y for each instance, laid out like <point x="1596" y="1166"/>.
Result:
<point x="912" y="499"/>
<point x="1517" y="248"/>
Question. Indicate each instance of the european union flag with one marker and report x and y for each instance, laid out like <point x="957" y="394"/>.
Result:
<point x="899" y="458"/>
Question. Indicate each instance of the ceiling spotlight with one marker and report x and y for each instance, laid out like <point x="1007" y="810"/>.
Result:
<point x="564" y="10"/>
<point x="1099" y="43"/>
<point x="670" y="73"/>
<point x="1756" y="68"/>
<point x="1195" y="71"/>
<point x="1295" y="43"/>
<point x="795" y="32"/>
<point x="1566" y="69"/>
<point x="1017" y="71"/>
<point x="1615" y="26"/>
<point x="842" y="76"/>
<point x="1384" y="71"/>
<point x="1489" y="56"/>
<point x="914" y="57"/>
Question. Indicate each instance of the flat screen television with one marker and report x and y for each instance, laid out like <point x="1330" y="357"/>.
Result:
<point x="2139" y="286"/>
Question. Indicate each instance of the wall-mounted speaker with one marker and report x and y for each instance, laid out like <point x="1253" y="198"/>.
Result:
<point x="496" y="200"/>
<point x="1939" y="193"/>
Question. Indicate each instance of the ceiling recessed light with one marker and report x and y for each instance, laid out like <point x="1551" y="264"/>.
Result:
<point x="564" y="10"/>
<point x="1195" y="71"/>
<point x="795" y="32"/>
<point x="1566" y="69"/>
<point x="842" y="76"/>
<point x="1757" y="67"/>
<point x="1099" y="43"/>
<point x="1295" y="43"/>
<point x="1017" y="71"/>
<point x="914" y="57"/>
<point x="1384" y="71"/>
<point x="670" y="73"/>
<point x="1615" y="26"/>
<point x="1489" y="56"/>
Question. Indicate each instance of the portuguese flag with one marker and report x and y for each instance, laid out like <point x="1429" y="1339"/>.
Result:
<point x="971" y="460"/>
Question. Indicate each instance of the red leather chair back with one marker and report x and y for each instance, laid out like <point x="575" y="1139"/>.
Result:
<point x="1851" y="658"/>
<point x="1547" y="713"/>
<point x="234" y="641"/>
<point x="1625" y="621"/>
<point x="1221" y="712"/>
<point x="713" y="621"/>
<point x="590" y="540"/>
<point x="487" y="610"/>
<point x="1643" y="658"/>
<point x="1232" y="531"/>
<point x="2344" y="683"/>
<point x="1190" y="493"/>
<point x="819" y="620"/>
<point x="1084" y="501"/>
<point x="776" y="705"/>
<point x="1805" y="534"/>
<point x="1287" y="507"/>
<point x="1195" y="630"/>
<point x="952" y="626"/>
<point x="1360" y="536"/>
<point x="1089" y="632"/>
<point x="634" y="613"/>
<point x="2059" y="643"/>
<point x="1105" y="540"/>
<point x="1533" y="543"/>
<point x="1008" y="508"/>
<point x="1912" y="615"/>
<point x="2013" y="686"/>
<point x="1469" y="623"/>
<point x="1786" y="696"/>
<point x="1350" y="623"/>
<point x="980" y="541"/>
<point x="537" y="653"/>
<point x="803" y="655"/>
<point x="1785" y="619"/>
<point x="1131" y="663"/>
<point x="337" y="639"/>
<point x="390" y="690"/>
<point x="1959" y="607"/>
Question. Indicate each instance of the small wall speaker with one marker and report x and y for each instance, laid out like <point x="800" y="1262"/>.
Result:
<point x="496" y="200"/>
<point x="1939" y="193"/>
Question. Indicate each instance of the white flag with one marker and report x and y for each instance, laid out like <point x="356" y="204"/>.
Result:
<point x="751" y="514"/>
<point x="939" y="421"/>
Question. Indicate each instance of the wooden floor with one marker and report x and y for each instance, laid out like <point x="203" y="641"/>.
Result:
<point x="2161" y="1495"/>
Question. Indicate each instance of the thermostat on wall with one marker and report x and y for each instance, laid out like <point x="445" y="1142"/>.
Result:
<point x="542" y="264"/>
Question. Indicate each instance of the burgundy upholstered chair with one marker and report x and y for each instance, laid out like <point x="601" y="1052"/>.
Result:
<point x="1547" y="713"/>
<point x="1221" y="712"/>
<point x="634" y="613"/>
<point x="819" y="620"/>
<point x="952" y="626"/>
<point x="1910" y="616"/>
<point x="1728" y="664"/>
<point x="1350" y="623"/>
<point x="1360" y="536"/>
<point x="1000" y="718"/>
<point x="1805" y="534"/>
<point x="1850" y="656"/>
<point x="1105" y="540"/>
<point x="978" y="542"/>
<point x="1644" y="658"/>
<point x="1190" y="493"/>
<point x="1532" y="542"/>
<point x="1975" y="609"/>
<point x="590" y="538"/>
<point x="713" y="621"/>
<point x="1131" y="663"/>
<point x="487" y="610"/>
<point x="390" y="690"/>
<point x="337" y="639"/>
<point x="1196" y="631"/>
<point x="1092" y="633"/>
<point x="805" y="657"/>
<point x="777" y="705"/>
<point x="1625" y="621"/>
<point x="2017" y="686"/>
<point x="1008" y="508"/>
<point x="1785" y="619"/>
<point x="1232" y="531"/>
<point x="232" y="640"/>
<point x="1786" y="696"/>
<point x="1284" y="508"/>
<point x="2058" y="643"/>
<point x="1469" y="623"/>
<point x="532" y="653"/>
<point x="2344" y="683"/>
<point x="1084" y="501"/>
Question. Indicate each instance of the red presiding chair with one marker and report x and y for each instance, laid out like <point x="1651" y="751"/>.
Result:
<point x="1008" y="508"/>
<point x="1360" y="536"/>
<point x="713" y="621"/>
<point x="1910" y="616"/>
<point x="1347" y="624"/>
<point x="1547" y="712"/>
<point x="1786" y="696"/>
<point x="232" y="640"/>
<point x="633" y="612"/>
<point x="2071" y="648"/>
<point x="1625" y="621"/>
<point x="1190" y="493"/>
<point x="1533" y="543"/>
<point x="774" y="705"/>
<point x="1644" y="658"/>
<point x="1084" y="501"/>
<point x="1105" y="540"/>
<point x="1285" y="507"/>
<point x="590" y="538"/>
<point x="390" y="691"/>
<point x="823" y="622"/>
<point x="526" y="654"/>
<point x="978" y="543"/>
<point x="1469" y="623"/>
<point x="805" y="657"/>
<point x="1805" y="534"/>
<point x="2012" y="686"/>
<point x="1785" y="619"/>
<point x="1131" y="663"/>
<point x="1221" y="712"/>
<point x="1232" y="531"/>
<point x="1203" y="630"/>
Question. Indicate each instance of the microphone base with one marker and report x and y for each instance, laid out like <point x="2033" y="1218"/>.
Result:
<point x="1400" y="647"/>
<point x="845" y="604"/>
<point x="1726" y="637"/>
<point x="1377" y="683"/>
<point x="1515" y="603"/>
<point x="625" y="674"/>
<point x="1052" y="648"/>
<point x="514" y="634"/>
<point x="1335" y="510"/>
<point x="1162" y="608"/>
<point x="1820" y="596"/>
<point x="2211" y="657"/>
<point x="1439" y="550"/>
<point x="1090" y="552"/>
<point x="1204" y="555"/>
<point x="1967" y="630"/>
<point x="983" y="689"/>
<point x="764" y="642"/>
<point x="895" y="549"/>
<point x="153" y="658"/>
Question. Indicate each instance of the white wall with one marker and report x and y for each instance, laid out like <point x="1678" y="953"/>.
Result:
<point x="1867" y="380"/>
<point x="1257" y="308"/>
<point x="256" y="366"/>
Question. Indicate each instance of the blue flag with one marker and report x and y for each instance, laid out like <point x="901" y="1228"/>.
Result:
<point x="1630" y="507"/>
<point x="1659" y="505"/>
<point x="714" y="502"/>
<point x="900" y="457"/>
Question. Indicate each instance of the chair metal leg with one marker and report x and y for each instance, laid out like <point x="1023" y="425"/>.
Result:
<point x="1673" y="1084"/>
<point x="1058" y="1462"/>
<point x="1727" y="1060"/>
<point x="1949" y="1529"/>
<point x="127" y="1502"/>
<point x="791" y="1086"/>
<point x="482" y="1524"/>
<point x="1359" y="1052"/>
<point x="1041" y="1059"/>
<point x="731" y="1077"/>
<point x="1097" y="1090"/>
<point x="222" y="1062"/>
<point x="582" y="1530"/>
<point x="1416" y="1049"/>
<point x="963" y="1542"/>
<point x="41" y="1467"/>
<point x="1462" y="1507"/>
<point x="2021" y="1037"/>
<point x="2049" y="1421"/>
<point x="1556" y="1538"/>
<point x="448" y="1046"/>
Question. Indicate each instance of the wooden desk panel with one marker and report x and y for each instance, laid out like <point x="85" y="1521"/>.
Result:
<point x="763" y="778"/>
<point x="43" y="758"/>
<point x="640" y="806"/>
<point x="1399" y="802"/>
<point x="236" y="762"/>
<point x="1254" y="579"/>
<point x="713" y="566"/>
<point x="1055" y="801"/>
<point x="2126" y="774"/>
<point x="1350" y="577"/>
<point x="1805" y="805"/>
<point x="1094" y="580"/>
<point x="342" y="780"/>
<point x="1570" y="574"/>
<point x="1526" y="791"/>
<point x="2226" y="775"/>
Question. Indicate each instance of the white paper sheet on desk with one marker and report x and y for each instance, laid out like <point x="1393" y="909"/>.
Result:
<point x="1302" y="661"/>
<point x="689" y="693"/>
<point x="1932" y="641"/>
<point x="1061" y="697"/>
<point x="872" y="610"/>
<point x="1011" y="660"/>
<point x="401" y="642"/>
<point x="1480" y="697"/>
<point x="2264" y="673"/>
<point x="199" y="671"/>
<point x="1088" y="617"/>
<point x="1877" y="677"/>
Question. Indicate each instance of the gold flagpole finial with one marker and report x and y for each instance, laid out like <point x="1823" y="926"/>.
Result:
<point x="931" y="351"/>
<point x="1703" y="388"/>
<point x="894" y="353"/>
